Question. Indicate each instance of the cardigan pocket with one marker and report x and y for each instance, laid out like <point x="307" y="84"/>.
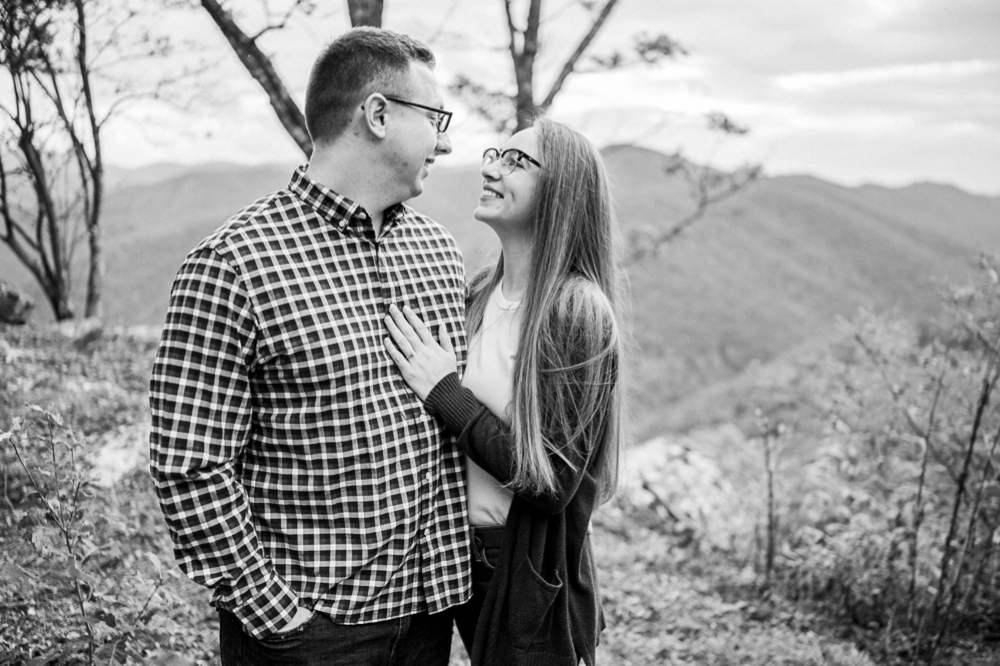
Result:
<point x="530" y="614"/>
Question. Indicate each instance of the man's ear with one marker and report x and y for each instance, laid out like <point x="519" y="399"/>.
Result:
<point x="375" y="110"/>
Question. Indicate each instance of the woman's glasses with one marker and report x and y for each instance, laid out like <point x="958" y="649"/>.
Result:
<point x="510" y="159"/>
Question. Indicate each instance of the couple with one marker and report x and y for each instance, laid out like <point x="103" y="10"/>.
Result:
<point x="333" y="460"/>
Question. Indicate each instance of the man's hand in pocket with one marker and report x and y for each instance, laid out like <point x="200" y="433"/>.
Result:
<point x="302" y="616"/>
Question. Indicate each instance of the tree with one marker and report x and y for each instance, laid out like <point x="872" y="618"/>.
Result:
<point x="512" y="110"/>
<point x="51" y="167"/>
<point x="258" y="63"/>
<point x="504" y="110"/>
<point x="70" y="66"/>
<point x="706" y="187"/>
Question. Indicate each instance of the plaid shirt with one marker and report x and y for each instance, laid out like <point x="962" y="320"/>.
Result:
<point x="293" y="464"/>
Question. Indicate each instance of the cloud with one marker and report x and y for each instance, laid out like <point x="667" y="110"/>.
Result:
<point x="816" y="81"/>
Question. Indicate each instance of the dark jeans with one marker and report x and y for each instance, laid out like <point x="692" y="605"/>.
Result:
<point x="485" y="550"/>
<point x="416" y="640"/>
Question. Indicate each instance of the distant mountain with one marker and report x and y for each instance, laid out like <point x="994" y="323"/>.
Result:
<point x="761" y="273"/>
<point x="775" y="266"/>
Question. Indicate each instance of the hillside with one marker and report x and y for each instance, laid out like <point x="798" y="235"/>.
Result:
<point x="776" y="266"/>
<point x="762" y="273"/>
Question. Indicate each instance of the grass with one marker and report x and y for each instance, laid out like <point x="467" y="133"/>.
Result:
<point x="679" y="562"/>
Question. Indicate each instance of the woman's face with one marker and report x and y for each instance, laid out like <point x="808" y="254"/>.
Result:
<point x="507" y="202"/>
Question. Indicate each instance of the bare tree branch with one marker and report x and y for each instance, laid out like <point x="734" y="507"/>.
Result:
<point x="708" y="187"/>
<point x="92" y="168"/>
<point x="258" y="64"/>
<point x="16" y="234"/>
<point x="570" y="63"/>
<point x="280" y="25"/>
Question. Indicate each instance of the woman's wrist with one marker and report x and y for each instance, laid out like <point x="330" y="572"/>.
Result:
<point x="440" y="393"/>
<point x="452" y="403"/>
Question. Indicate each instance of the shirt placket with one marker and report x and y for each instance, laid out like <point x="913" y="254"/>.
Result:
<point x="428" y="457"/>
<point x="388" y="285"/>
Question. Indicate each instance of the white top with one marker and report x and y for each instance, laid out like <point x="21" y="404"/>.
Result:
<point x="489" y="374"/>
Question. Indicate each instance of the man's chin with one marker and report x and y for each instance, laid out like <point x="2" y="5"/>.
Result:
<point x="416" y="190"/>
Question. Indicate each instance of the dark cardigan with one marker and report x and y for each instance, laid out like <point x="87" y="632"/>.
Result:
<point x="543" y="606"/>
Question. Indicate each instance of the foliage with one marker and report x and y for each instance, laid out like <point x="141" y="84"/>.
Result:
<point x="81" y="565"/>
<point x="672" y="594"/>
<point x="880" y="498"/>
<point x="898" y="524"/>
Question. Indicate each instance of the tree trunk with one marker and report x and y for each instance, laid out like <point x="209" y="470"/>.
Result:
<point x="92" y="170"/>
<point x="260" y="68"/>
<point x="59" y="300"/>
<point x="365" y="12"/>
<point x="362" y="12"/>
<point x="95" y="275"/>
<point x="524" y="62"/>
<point x="570" y="63"/>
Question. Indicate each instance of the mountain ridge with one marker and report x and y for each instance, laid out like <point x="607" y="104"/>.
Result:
<point x="762" y="272"/>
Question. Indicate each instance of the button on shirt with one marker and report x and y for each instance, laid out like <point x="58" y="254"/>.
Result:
<point x="293" y="464"/>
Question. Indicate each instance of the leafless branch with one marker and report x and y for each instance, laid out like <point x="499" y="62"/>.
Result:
<point x="283" y="21"/>
<point x="570" y="63"/>
<point x="441" y="26"/>
<point x="260" y="67"/>
<point x="708" y="187"/>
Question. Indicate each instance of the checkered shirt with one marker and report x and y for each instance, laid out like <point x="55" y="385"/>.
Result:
<point x="292" y="463"/>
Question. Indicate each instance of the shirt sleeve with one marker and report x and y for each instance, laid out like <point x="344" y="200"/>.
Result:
<point x="488" y="441"/>
<point x="201" y="409"/>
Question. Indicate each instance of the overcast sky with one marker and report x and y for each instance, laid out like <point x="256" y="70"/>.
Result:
<point x="856" y="91"/>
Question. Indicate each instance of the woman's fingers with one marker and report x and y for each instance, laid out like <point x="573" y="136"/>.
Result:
<point x="397" y="356"/>
<point x="418" y="325"/>
<point x="445" y="339"/>
<point x="404" y="325"/>
<point x="421" y="360"/>
<point x="399" y="337"/>
<point x="410" y="333"/>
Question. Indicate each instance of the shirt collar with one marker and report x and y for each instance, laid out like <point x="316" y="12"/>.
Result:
<point x="335" y="208"/>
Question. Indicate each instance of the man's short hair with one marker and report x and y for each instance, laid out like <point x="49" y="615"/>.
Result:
<point x="356" y="64"/>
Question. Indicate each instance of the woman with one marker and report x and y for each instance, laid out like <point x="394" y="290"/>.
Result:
<point x="538" y="410"/>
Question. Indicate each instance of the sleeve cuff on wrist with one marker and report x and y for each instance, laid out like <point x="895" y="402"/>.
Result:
<point x="453" y="404"/>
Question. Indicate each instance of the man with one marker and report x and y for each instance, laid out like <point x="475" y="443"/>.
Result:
<point x="300" y="478"/>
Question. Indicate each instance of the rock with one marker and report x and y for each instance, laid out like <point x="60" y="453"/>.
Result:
<point x="84" y="333"/>
<point x="15" y="307"/>
<point x="689" y="490"/>
<point x="121" y="452"/>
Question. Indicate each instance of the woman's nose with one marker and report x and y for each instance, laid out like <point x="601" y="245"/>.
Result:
<point x="491" y="170"/>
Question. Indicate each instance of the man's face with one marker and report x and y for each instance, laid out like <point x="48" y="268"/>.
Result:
<point x="414" y="140"/>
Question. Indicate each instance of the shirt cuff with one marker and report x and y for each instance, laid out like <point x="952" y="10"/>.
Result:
<point x="452" y="403"/>
<point x="265" y="610"/>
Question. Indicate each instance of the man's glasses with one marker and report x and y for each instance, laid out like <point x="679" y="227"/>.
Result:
<point x="509" y="159"/>
<point x="441" y="120"/>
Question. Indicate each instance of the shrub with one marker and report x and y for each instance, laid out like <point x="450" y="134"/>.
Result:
<point x="95" y="598"/>
<point x="85" y="568"/>
<point x="904" y="529"/>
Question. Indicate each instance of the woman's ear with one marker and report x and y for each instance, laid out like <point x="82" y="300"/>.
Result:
<point x="375" y="110"/>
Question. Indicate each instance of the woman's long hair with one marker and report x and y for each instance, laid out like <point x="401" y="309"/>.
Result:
<point x="567" y="392"/>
